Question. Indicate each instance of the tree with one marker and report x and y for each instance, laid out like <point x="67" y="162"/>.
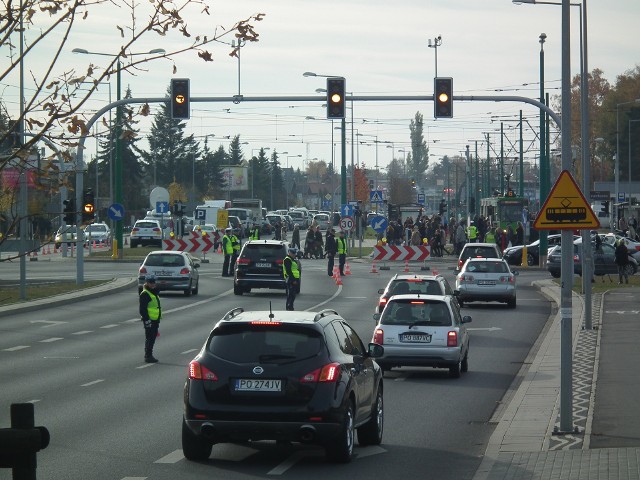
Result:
<point x="209" y="172"/>
<point x="401" y="190"/>
<point x="55" y="95"/>
<point x="418" y="160"/>
<point x="258" y="172"/>
<point x="361" y="184"/>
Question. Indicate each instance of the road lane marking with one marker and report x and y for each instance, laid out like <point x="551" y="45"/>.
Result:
<point x="191" y="350"/>
<point x="134" y="478"/>
<point x="489" y="329"/>
<point x="173" y="457"/>
<point x="146" y="365"/>
<point x="315" y="307"/>
<point x="92" y="383"/>
<point x="16" y="348"/>
<point x="82" y="332"/>
<point x="112" y="325"/>
<point x="292" y="460"/>
<point x="52" y="339"/>
<point x="49" y="323"/>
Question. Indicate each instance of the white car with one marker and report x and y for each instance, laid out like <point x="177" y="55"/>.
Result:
<point x="173" y="271"/>
<point x="97" y="232"/>
<point x="486" y="280"/>
<point x="146" y="232"/>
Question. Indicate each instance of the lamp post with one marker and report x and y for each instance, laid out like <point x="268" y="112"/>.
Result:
<point x="376" y="144"/>
<point x="614" y="219"/>
<point x="117" y="177"/>
<point x="437" y="41"/>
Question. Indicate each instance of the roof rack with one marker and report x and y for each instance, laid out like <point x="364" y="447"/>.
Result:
<point x="324" y="313"/>
<point x="231" y="314"/>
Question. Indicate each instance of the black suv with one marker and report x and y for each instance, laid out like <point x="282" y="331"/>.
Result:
<point x="259" y="265"/>
<point x="282" y="375"/>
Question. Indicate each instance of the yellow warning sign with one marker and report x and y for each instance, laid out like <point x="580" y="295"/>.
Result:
<point x="565" y="208"/>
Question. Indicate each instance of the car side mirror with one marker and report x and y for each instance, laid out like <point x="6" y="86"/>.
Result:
<point x="196" y="265"/>
<point x="376" y="317"/>
<point x="456" y="293"/>
<point x="375" y="350"/>
<point x="466" y="319"/>
<point x="380" y="291"/>
<point x="516" y="272"/>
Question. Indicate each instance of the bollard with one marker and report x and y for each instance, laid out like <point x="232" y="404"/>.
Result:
<point x="524" y="263"/>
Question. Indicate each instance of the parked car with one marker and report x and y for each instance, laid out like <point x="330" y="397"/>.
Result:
<point x="413" y="284"/>
<point x="423" y="330"/>
<point x="146" y="232"/>
<point x="603" y="260"/>
<point x="477" y="250"/>
<point x="68" y="234"/>
<point x="259" y="265"/>
<point x="289" y="376"/>
<point x="174" y="270"/>
<point x="513" y="255"/>
<point x="486" y="280"/>
<point x="632" y="245"/>
<point x="97" y="232"/>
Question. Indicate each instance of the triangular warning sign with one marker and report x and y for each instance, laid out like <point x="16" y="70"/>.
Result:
<point x="565" y="208"/>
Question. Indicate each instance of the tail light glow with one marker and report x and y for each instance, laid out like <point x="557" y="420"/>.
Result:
<point x="507" y="279"/>
<point x="378" y="336"/>
<point x="143" y="270"/>
<point x="243" y="261"/>
<point x="200" y="372"/>
<point x="184" y="271"/>
<point x="326" y="374"/>
<point x="452" y="339"/>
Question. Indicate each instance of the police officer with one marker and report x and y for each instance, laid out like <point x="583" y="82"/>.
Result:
<point x="254" y="233"/>
<point x="227" y="249"/>
<point x="150" y="314"/>
<point x="330" y="248"/>
<point x="472" y="233"/>
<point x="291" y="276"/>
<point x="235" y="246"/>
<point x="341" y="247"/>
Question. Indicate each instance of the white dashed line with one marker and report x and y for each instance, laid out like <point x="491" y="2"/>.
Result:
<point x="173" y="457"/>
<point x="52" y="339"/>
<point x="146" y="365"/>
<point x="189" y="351"/>
<point x="15" y="349"/>
<point x="92" y="383"/>
<point x="82" y="332"/>
<point x="109" y="326"/>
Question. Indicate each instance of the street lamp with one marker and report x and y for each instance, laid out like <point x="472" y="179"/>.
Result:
<point x="117" y="178"/>
<point x="436" y="43"/>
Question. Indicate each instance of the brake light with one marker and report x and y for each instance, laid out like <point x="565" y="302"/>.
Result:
<point x="466" y="278"/>
<point x="243" y="261"/>
<point x="279" y="262"/>
<point x="460" y="262"/>
<point x="184" y="271"/>
<point x="156" y="229"/>
<point x="200" y="372"/>
<point x="378" y="336"/>
<point x="143" y="270"/>
<point x="452" y="339"/>
<point x="135" y="229"/>
<point x="507" y="279"/>
<point x="263" y="322"/>
<point x="328" y="373"/>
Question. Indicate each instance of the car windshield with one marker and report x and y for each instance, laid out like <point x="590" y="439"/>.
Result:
<point x="487" y="267"/>
<point x="426" y="287"/>
<point x="246" y="343"/>
<point x="164" y="260"/>
<point x="416" y="312"/>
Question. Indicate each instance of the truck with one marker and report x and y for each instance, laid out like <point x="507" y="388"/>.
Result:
<point x="207" y="213"/>
<point x="252" y="204"/>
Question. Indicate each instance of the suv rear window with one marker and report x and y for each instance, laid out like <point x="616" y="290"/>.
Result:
<point x="425" y="287"/>
<point x="416" y="312"/>
<point x="165" y="260"/>
<point x="246" y="343"/>
<point x="264" y="252"/>
<point x="146" y="224"/>
<point x="486" y="267"/>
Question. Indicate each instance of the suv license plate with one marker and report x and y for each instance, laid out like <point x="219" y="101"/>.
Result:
<point x="263" y="265"/>
<point x="415" y="338"/>
<point x="258" y="385"/>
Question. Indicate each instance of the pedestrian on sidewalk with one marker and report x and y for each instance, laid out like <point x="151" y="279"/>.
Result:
<point x="622" y="259"/>
<point x="150" y="314"/>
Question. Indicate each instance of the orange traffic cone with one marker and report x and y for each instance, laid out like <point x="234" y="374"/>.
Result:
<point x="435" y="271"/>
<point x="48" y="249"/>
<point x="347" y="269"/>
<point x="44" y="250"/>
<point x="373" y="268"/>
<point x="338" y="279"/>
<point x="406" y="265"/>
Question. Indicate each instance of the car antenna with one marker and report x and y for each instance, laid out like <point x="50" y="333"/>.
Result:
<point x="271" y="315"/>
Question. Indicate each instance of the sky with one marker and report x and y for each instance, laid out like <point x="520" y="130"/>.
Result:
<point x="489" y="47"/>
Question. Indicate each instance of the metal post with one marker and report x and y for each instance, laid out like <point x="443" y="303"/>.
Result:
<point x="502" y="192"/>
<point x="343" y="169"/>
<point x="118" y="166"/>
<point x="521" y="190"/>
<point x="467" y="184"/>
<point x="544" y="159"/>
<point x="477" y="183"/>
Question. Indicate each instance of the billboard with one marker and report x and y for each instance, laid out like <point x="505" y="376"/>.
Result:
<point x="236" y="177"/>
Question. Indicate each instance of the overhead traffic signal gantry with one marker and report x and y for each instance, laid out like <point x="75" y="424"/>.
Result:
<point x="443" y="97"/>
<point x="88" y="207"/>
<point x="336" y="97"/>
<point x="180" y="109"/>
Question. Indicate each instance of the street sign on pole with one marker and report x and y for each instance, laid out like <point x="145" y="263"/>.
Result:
<point x="375" y="196"/>
<point x="115" y="212"/>
<point x="347" y="210"/>
<point x="346" y="224"/>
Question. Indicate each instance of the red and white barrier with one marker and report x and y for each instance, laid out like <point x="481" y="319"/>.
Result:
<point x="401" y="253"/>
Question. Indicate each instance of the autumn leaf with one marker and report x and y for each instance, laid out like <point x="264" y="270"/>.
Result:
<point x="206" y="56"/>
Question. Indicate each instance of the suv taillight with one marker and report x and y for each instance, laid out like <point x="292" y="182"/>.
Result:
<point x="382" y="303"/>
<point x="378" y="336"/>
<point x="200" y="372"/>
<point x="328" y="373"/>
<point x="243" y="261"/>
<point x="184" y="271"/>
<point x="452" y="339"/>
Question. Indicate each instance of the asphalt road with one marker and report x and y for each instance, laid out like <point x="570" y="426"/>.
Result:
<point x="111" y="416"/>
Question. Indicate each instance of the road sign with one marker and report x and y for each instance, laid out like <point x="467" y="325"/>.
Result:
<point x="621" y="196"/>
<point x="421" y="198"/>
<point x="375" y="196"/>
<point x="162" y="207"/>
<point x="115" y="211"/>
<point x="379" y="223"/>
<point x="565" y="208"/>
<point x="200" y="214"/>
<point x="346" y="223"/>
<point x="347" y="210"/>
<point x="604" y="195"/>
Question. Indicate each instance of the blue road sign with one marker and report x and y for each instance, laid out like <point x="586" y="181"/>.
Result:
<point x="375" y="196"/>
<point x="421" y="198"/>
<point x="326" y="204"/>
<point x="162" y="207"/>
<point x="347" y="210"/>
<point x="379" y="223"/>
<point x="621" y="196"/>
<point x="115" y="211"/>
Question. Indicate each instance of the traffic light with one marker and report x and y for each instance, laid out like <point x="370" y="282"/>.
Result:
<point x="180" y="99"/>
<point x="335" y="97"/>
<point x="605" y="207"/>
<point x="88" y="207"/>
<point x="442" y="208"/>
<point x="371" y="185"/>
<point x="69" y="211"/>
<point x="443" y="97"/>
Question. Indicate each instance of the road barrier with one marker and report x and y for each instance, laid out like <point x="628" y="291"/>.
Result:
<point x="405" y="253"/>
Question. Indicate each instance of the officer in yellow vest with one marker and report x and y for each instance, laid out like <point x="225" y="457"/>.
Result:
<point x="235" y="246"/>
<point x="490" y="237"/>
<point x="227" y="249"/>
<point x="255" y="232"/>
<point x="341" y="244"/>
<point x="150" y="314"/>
<point x="472" y="233"/>
<point x="291" y="276"/>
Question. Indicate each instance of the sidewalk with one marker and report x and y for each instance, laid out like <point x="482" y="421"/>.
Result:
<point x="523" y="445"/>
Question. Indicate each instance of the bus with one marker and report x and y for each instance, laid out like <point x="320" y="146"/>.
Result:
<point x="504" y="211"/>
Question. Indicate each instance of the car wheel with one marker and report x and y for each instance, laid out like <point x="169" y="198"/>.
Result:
<point x="237" y="290"/>
<point x="464" y="367"/>
<point x="511" y="303"/>
<point x="531" y="261"/>
<point x="195" y="290"/>
<point x="629" y="269"/>
<point x="454" y="371"/>
<point x="340" y="449"/>
<point x="371" y="432"/>
<point x="188" y="291"/>
<point x="194" y="448"/>
<point x="555" y="274"/>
